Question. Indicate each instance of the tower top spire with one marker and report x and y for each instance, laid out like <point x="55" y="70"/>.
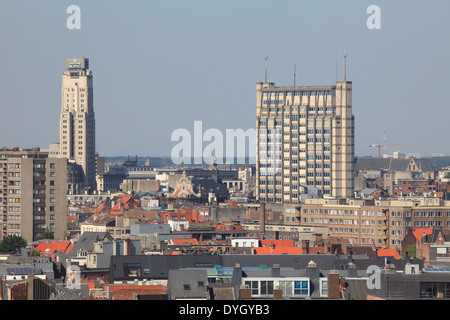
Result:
<point x="345" y="60"/>
<point x="265" y="58"/>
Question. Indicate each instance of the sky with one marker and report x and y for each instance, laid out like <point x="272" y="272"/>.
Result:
<point x="161" y="65"/>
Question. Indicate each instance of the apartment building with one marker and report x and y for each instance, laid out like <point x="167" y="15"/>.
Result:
<point x="33" y="198"/>
<point x="379" y="223"/>
<point x="77" y="121"/>
<point x="305" y="136"/>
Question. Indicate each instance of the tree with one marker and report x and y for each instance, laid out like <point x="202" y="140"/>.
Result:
<point x="66" y="235"/>
<point x="12" y="244"/>
<point x="412" y="251"/>
<point x="36" y="253"/>
<point x="49" y="234"/>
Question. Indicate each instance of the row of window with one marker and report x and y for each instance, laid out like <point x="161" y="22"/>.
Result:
<point x="430" y="214"/>
<point x="304" y="93"/>
<point x="289" y="287"/>
<point x="369" y="213"/>
<point x="277" y="200"/>
<point x="431" y="223"/>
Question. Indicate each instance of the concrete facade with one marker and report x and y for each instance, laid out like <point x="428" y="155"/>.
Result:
<point x="77" y="121"/>
<point x="305" y="135"/>
<point x="34" y="193"/>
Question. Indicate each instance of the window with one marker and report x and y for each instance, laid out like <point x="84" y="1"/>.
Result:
<point x="132" y="269"/>
<point x="300" y="287"/>
<point x="266" y="287"/>
<point x="253" y="285"/>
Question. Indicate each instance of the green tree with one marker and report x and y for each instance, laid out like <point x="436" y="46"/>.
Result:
<point x="412" y="251"/>
<point x="12" y="244"/>
<point x="35" y="253"/>
<point x="49" y="234"/>
<point x="66" y="235"/>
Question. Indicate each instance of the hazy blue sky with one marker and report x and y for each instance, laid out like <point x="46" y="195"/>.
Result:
<point x="161" y="65"/>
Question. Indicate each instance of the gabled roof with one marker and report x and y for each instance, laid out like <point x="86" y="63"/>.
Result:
<point x="123" y="201"/>
<point x="418" y="233"/>
<point x="60" y="246"/>
<point x="388" y="253"/>
<point x="99" y="208"/>
<point x="86" y="242"/>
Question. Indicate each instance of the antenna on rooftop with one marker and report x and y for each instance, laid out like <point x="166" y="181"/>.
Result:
<point x="265" y="58"/>
<point x="345" y="60"/>
<point x="336" y="66"/>
<point x="295" y="73"/>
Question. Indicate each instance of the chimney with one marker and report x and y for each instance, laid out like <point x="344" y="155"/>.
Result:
<point x="352" y="270"/>
<point x="312" y="271"/>
<point x="30" y="287"/>
<point x="236" y="279"/>
<point x="262" y="220"/>
<point x="127" y="247"/>
<point x="277" y="294"/>
<point x="333" y="284"/>
<point x="245" y="293"/>
<point x="275" y="271"/>
<point x="305" y="246"/>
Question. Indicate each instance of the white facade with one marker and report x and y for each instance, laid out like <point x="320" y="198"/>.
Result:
<point x="244" y="242"/>
<point x="178" y="225"/>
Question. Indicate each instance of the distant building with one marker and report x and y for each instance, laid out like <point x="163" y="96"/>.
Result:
<point x="392" y="174"/>
<point x="77" y="121"/>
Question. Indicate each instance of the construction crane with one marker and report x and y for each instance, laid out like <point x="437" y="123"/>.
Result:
<point x="379" y="146"/>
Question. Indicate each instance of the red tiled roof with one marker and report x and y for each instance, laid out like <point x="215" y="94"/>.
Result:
<point x="123" y="201"/>
<point x="192" y="241"/>
<point x="99" y="208"/>
<point x="60" y="246"/>
<point x="127" y="292"/>
<point x="91" y="218"/>
<point x="420" y="231"/>
<point x="388" y="253"/>
<point x="279" y="250"/>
